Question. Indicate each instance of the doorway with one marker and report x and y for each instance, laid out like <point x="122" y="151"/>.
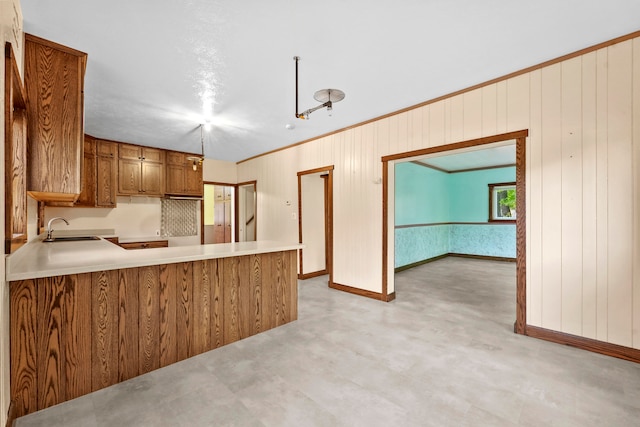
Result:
<point x="388" y="212"/>
<point x="246" y="212"/>
<point x="218" y="209"/>
<point x="315" y="222"/>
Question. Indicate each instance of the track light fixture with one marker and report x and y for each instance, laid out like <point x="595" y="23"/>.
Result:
<point x="198" y="160"/>
<point x="326" y="96"/>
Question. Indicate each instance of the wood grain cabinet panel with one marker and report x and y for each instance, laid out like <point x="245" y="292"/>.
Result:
<point x="54" y="83"/>
<point x="99" y="178"/>
<point x="149" y="320"/>
<point x="104" y="332"/>
<point x="106" y="174"/>
<point x="152" y="178"/>
<point x="181" y="178"/>
<point x="15" y="155"/>
<point x="77" y="335"/>
<point x="129" y="177"/>
<point x="202" y="274"/>
<point x="145" y="245"/>
<point x="184" y="310"/>
<point x="87" y="196"/>
<point x="217" y="305"/>
<point x="128" y="320"/>
<point x="24" y="387"/>
<point x="74" y="334"/>
<point x="231" y="305"/>
<point x="168" y="304"/>
<point x="50" y="346"/>
<point x="140" y="170"/>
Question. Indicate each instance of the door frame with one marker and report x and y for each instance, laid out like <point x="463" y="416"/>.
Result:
<point x="388" y="235"/>
<point x="328" y="223"/>
<point x="235" y="196"/>
<point x="237" y="206"/>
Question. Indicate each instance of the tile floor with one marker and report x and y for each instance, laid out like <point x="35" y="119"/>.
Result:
<point x="442" y="354"/>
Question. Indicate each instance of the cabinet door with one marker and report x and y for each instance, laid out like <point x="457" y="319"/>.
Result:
<point x="131" y="152"/>
<point x="88" y="194"/>
<point x="152" y="178"/>
<point x="175" y="158"/>
<point x="54" y="77"/>
<point x="193" y="181"/>
<point x="15" y="156"/>
<point x="175" y="178"/>
<point x="106" y="173"/>
<point x="151" y="155"/>
<point x="106" y="148"/>
<point x="129" y="177"/>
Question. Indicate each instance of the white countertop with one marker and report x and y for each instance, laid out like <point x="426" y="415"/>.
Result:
<point x="38" y="259"/>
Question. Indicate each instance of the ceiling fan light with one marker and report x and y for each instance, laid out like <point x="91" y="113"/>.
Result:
<point x="325" y="96"/>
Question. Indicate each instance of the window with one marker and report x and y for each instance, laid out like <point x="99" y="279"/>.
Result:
<point x="502" y="202"/>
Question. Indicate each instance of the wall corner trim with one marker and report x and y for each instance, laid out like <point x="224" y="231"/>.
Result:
<point x="595" y="346"/>
<point x="362" y="292"/>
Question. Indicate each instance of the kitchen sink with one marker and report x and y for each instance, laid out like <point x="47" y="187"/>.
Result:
<point x="72" y="239"/>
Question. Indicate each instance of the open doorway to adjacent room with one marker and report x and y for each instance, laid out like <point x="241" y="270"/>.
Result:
<point x="218" y="210"/>
<point x="246" y="212"/>
<point x="438" y="202"/>
<point x="315" y="217"/>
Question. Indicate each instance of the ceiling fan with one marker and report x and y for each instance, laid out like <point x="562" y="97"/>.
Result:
<point x="326" y="96"/>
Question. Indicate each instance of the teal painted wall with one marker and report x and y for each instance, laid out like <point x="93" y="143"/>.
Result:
<point x="469" y="201"/>
<point x="487" y="240"/>
<point x="421" y="195"/>
<point x="415" y="244"/>
<point x="427" y="196"/>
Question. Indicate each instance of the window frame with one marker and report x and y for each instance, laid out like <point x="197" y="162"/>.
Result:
<point x="492" y="190"/>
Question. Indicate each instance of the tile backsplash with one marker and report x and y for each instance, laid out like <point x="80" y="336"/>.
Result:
<point x="179" y="217"/>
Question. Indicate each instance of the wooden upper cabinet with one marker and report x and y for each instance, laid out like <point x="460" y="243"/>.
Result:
<point x="99" y="178"/>
<point x="181" y="179"/>
<point x="88" y="194"/>
<point x="54" y="84"/>
<point x="106" y="173"/>
<point x="140" y="170"/>
<point x="15" y="155"/>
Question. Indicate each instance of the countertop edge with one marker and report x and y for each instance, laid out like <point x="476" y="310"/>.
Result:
<point x="33" y="262"/>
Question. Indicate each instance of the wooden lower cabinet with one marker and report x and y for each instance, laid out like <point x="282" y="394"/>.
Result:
<point x="78" y="333"/>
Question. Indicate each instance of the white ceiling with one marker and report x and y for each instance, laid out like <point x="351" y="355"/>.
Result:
<point x="155" y="66"/>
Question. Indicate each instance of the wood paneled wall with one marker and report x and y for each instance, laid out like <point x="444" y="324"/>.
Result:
<point x="79" y="333"/>
<point x="582" y="182"/>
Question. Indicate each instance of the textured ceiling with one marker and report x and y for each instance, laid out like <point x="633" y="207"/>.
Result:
<point x="157" y="69"/>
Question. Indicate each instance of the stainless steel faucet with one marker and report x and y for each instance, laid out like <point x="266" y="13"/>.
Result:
<point x="50" y="230"/>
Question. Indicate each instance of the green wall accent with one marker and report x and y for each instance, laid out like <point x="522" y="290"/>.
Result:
<point x="421" y="195"/>
<point x="469" y="201"/>
<point x="415" y="244"/>
<point x="427" y="196"/>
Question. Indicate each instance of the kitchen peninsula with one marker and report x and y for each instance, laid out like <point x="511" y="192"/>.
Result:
<point x="89" y="314"/>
